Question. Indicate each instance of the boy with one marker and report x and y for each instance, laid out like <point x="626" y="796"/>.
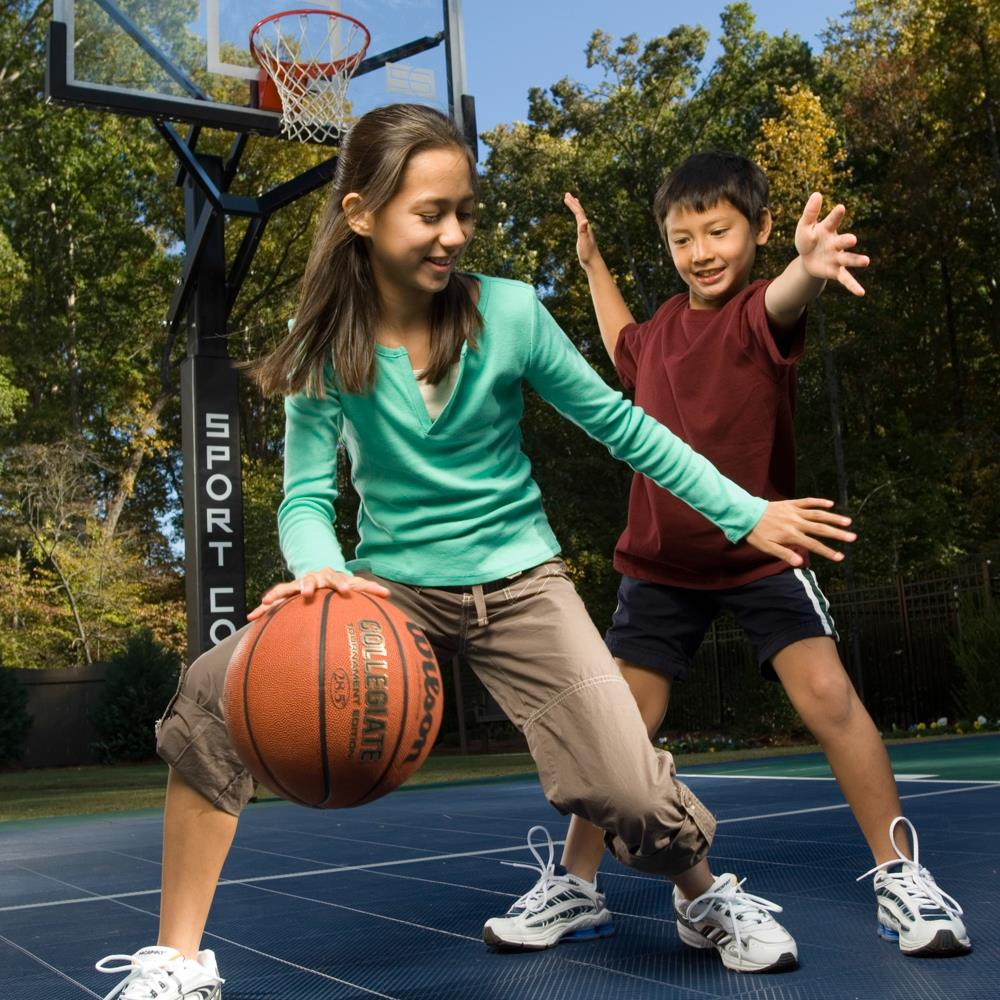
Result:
<point x="717" y="366"/>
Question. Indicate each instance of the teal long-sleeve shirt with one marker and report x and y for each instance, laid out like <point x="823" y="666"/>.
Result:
<point x="452" y="501"/>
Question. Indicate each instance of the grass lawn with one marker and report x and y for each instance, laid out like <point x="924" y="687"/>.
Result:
<point x="76" y="791"/>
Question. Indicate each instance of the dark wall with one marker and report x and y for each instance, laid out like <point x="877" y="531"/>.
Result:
<point x="60" y="702"/>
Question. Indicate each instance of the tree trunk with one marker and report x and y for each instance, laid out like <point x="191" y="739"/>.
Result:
<point x="958" y="380"/>
<point x="126" y="484"/>
<point x="836" y="428"/>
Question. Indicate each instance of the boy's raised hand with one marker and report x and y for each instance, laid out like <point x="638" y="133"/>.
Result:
<point x="586" y="245"/>
<point x="795" y="522"/>
<point x="824" y="251"/>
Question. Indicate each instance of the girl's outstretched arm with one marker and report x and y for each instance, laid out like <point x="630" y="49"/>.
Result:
<point x="561" y="375"/>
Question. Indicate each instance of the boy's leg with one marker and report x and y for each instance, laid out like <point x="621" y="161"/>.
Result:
<point x="787" y="618"/>
<point x="821" y="692"/>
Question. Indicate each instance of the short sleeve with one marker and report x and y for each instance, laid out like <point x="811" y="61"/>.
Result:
<point x="627" y="353"/>
<point x="778" y="349"/>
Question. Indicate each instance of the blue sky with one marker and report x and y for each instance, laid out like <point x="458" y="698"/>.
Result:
<point x="516" y="44"/>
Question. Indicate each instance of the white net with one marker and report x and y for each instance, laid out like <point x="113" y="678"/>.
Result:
<point x="310" y="56"/>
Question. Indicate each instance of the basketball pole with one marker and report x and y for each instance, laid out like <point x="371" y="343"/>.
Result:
<point x="461" y="104"/>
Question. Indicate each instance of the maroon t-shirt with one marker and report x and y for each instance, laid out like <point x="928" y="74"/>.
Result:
<point x="717" y="379"/>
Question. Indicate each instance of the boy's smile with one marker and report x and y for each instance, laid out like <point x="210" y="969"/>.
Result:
<point x="713" y="250"/>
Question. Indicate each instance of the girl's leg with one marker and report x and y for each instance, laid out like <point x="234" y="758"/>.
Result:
<point x="584" y="841"/>
<point x="824" y="697"/>
<point x="196" y="840"/>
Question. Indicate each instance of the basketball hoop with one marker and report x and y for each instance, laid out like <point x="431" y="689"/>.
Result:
<point x="307" y="57"/>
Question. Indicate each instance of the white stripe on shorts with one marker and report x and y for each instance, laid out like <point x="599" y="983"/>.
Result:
<point x="811" y="587"/>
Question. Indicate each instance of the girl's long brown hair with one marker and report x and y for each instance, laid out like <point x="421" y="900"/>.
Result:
<point x="338" y="304"/>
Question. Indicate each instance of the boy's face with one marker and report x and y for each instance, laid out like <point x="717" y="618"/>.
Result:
<point x="714" y="250"/>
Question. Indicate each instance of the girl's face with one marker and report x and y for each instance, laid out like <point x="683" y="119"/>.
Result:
<point x="416" y="238"/>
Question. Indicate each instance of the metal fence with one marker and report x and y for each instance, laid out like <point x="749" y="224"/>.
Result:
<point x="895" y="640"/>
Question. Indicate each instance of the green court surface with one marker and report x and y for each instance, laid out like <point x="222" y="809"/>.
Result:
<point x="968" y="758"/>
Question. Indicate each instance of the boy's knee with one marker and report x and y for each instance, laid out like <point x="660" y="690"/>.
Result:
<point x="828" y="697"/>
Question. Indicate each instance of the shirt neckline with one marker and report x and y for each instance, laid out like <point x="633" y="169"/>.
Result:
<point x="484" y="293"/>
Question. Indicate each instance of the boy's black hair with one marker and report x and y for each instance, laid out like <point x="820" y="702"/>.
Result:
<point x="705" y="179"/>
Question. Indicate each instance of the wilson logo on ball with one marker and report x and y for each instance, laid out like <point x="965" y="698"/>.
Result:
<point x="431" y="717"/>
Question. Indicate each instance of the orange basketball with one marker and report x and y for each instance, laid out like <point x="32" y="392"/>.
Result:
<point x="333" y="700"/>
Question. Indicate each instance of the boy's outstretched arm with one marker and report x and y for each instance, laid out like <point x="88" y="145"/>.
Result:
<point x="823" y="254"/>
<point x="612" y="313"/>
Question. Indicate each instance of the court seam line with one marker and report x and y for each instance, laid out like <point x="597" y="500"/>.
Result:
<point x="646" y="979"/>
<point x="41" y="961"/>
<point x="115" y="897"/>
<point x="219" y="937"/>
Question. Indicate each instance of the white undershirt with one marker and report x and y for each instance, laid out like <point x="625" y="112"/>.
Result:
<point x="436" y="396"/>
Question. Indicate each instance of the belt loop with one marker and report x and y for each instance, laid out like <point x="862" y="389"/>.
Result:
<point x="479" y="600"/>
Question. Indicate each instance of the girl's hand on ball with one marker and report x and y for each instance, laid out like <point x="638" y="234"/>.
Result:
<point x="307" y="585"/>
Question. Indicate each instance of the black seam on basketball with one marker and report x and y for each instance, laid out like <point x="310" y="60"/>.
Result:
<point x="406" y="691"/>
<point x="323" y="749"/>
<point x="277" y="786"/>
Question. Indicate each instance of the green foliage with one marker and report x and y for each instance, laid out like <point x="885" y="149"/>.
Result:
<point x="15" y="720"/>
<point x="975" y="650"/>
<point x="139" y="682"/>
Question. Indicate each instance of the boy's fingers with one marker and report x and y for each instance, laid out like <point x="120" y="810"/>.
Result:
<point x="833" y="219"/>
<point x="850" y="282"/>
<point x="854" y="260"/>
<point x="810" y="214"/>
<point x="577" y="209"/>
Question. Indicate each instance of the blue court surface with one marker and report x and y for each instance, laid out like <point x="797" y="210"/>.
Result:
<point x="388" y="900"/>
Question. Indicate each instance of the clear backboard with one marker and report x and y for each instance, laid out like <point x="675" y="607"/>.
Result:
<point x="189" y="60"/>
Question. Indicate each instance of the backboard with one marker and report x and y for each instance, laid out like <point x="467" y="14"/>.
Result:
<point x="189" y="60"/>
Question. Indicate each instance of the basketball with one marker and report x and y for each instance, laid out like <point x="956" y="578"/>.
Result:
<point x="334" y="700"/>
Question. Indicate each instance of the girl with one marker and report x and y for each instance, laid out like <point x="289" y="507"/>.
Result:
<point x="418" y="370"/>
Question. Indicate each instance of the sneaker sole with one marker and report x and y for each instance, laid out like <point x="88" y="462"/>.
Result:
<point x="943" y="944"/>
<point x="494" y="941"/>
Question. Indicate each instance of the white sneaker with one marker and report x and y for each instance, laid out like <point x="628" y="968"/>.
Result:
<point x="157" y="973"/>
<point x="559" y="907"/>
<point x="739" y="926"/>
<point x="912" y="909"/>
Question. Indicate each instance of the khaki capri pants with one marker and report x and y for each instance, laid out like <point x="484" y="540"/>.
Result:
<point x="531" y="642"/>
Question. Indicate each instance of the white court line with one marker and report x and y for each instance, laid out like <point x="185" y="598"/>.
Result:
<point x="51" y="968"/>
<point x="114" y="897"/>
<point x="308" y="873"/>
<point x="923" y="779"/>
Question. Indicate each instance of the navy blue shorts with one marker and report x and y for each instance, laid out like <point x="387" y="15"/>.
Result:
<point x="661" y="627"/>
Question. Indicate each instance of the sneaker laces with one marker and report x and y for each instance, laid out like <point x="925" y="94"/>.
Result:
<point x="743" y="908"/>
<point x="152" y="962"/>
<point x="919" y="883"/>
<point x="549" y="882"/>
